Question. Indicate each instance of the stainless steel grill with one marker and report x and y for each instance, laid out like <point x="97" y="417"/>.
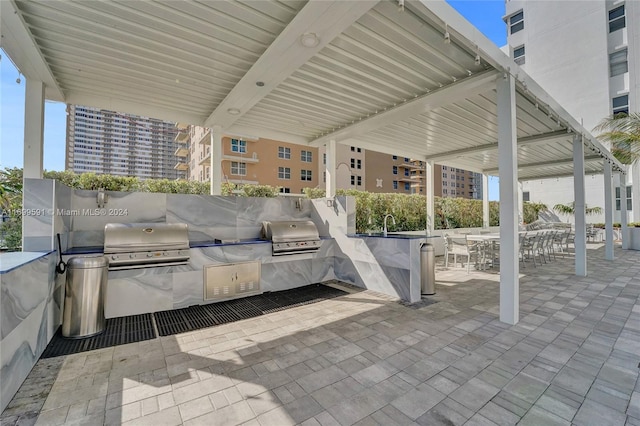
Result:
<point x="143" y="245"/>
<point x="292" y="236"/>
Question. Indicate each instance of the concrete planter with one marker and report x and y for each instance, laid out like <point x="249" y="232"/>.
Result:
<point x="634" y="238"/>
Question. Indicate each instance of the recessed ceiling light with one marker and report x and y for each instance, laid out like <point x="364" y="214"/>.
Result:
<point x="309" y="40"/>
<point x="233" y="111"/>
<point x="260" y="83"/>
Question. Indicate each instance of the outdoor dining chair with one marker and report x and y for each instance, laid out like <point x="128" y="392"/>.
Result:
<point x="460" y="246"/>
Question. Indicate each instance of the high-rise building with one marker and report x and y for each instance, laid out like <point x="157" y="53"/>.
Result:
<point x="586" y="54"/>
<point x="108" y="142"/>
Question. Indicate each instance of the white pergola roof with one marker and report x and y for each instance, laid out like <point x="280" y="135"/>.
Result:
<point x="379" y="78"/>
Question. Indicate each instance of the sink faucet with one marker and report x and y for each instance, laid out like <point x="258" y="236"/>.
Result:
<point x="393" y="220"/>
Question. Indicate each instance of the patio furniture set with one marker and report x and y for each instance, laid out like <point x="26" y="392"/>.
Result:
<point x="483" y="249"/>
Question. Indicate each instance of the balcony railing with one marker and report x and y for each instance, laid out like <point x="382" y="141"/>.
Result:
<point x="181" y="152"/>
<point x="181" y="166"/>
<point x="182" y="137"/>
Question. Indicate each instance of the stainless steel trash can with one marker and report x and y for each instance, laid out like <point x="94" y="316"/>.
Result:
<point x="427" y="269"/>
<point x="84" y="296"/>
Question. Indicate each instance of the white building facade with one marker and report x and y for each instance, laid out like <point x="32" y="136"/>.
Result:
<point x="586" y="54"/>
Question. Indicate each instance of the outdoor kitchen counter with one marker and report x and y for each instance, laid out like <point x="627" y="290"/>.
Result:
<point x="397" y="236"/>
<point x="30" y="306"/>
<point x="16" y="259"/>
<point x="194" y="244"/>
<point x="387" y="264"/>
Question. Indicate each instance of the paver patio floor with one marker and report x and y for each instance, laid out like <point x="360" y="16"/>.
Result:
<point x="364" y="359"/>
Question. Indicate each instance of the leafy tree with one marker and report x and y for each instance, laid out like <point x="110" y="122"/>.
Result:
<point x="531" y="211"/>
<point x="570" y="209"/>
<point x="622" y="131"/>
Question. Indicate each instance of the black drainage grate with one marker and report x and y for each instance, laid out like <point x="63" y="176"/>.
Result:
<point x="198" y="317"/>
<point x="118" y="331"/>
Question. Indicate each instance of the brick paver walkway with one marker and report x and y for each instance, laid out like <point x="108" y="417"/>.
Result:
<point x="363" y="359"/>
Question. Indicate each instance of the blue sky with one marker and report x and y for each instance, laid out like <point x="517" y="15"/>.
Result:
<point x="485" y="15"/>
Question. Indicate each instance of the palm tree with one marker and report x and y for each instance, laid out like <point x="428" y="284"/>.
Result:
<point x="570" y="209"/>
<point x="622" y="131"/>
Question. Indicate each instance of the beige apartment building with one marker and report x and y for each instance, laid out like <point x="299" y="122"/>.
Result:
<point x="395" y="174"/>
<point x="248" y="160"/>
<point x="294" y="167"/>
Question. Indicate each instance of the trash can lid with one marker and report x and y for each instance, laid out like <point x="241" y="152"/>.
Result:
<point x="85" y="262"/>
<point x="426" y="247"/>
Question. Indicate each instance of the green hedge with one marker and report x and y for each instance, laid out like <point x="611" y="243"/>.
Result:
<point x="408" y="210"/>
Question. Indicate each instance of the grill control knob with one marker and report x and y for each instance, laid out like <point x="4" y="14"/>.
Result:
<point x="114" y="257"/>
<point x="131" y="256"/>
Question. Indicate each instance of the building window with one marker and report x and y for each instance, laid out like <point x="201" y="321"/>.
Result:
<point x="616" y="19"/>
<point x="407" y="186"/>
<point x="359" y="180"/>
<point x="239" y="169"/>
<point x="324" y="158"/>
<point x="406" y="159"/>
<point x="621" y="105"/>
<point x="395" y="184"/>
<point x="284" y="173"/>
<point x="444" y="167"/>
<point x="284" y="152"/>
<point x="359" y="164"/>
<point x="359" y="149"/>
<point x="395" y="170"/>
<point x="285" y="190"/>
<point x="444" y="191"/>
<point x="629" y="200"/>
<point x="445" y="183"/>
<point x="324" y="177"/>
<point x="238" y="146"/>
<point x="353" y="163"/>
<point x="526" y="196"/>
<point x="395" y="157"/>
<point x="353" y="180"/>
<point x="306" y="175"/>
<point x="516" y="22"/>
<point x="444" y="175"/>
<point x="306" y="156"/>
<point x="518" y="55"/>
<point x="618" y="62"/>
<point x="406" y="172"/>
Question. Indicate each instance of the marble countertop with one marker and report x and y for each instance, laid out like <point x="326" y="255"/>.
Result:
<point x="397" y="236"/>
<point x="196" y="244"/>
<point x="12" y="260"/>
<point x="193" y="244"/>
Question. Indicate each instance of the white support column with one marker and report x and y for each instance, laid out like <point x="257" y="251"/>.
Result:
<point x="508" y="173"/>
<point x="430" y="188"/>
<point x="520" y="205"/>
<point x="215" y="161"/>
<point x="33" y="129"/>
<point x="608" y="211"/>
<point x="634" y="170"/>
<point x="331" y="171"/>
<point x="579" y="207"/>
<point x="485" y="200"/>
<point x="623" y="211"/>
